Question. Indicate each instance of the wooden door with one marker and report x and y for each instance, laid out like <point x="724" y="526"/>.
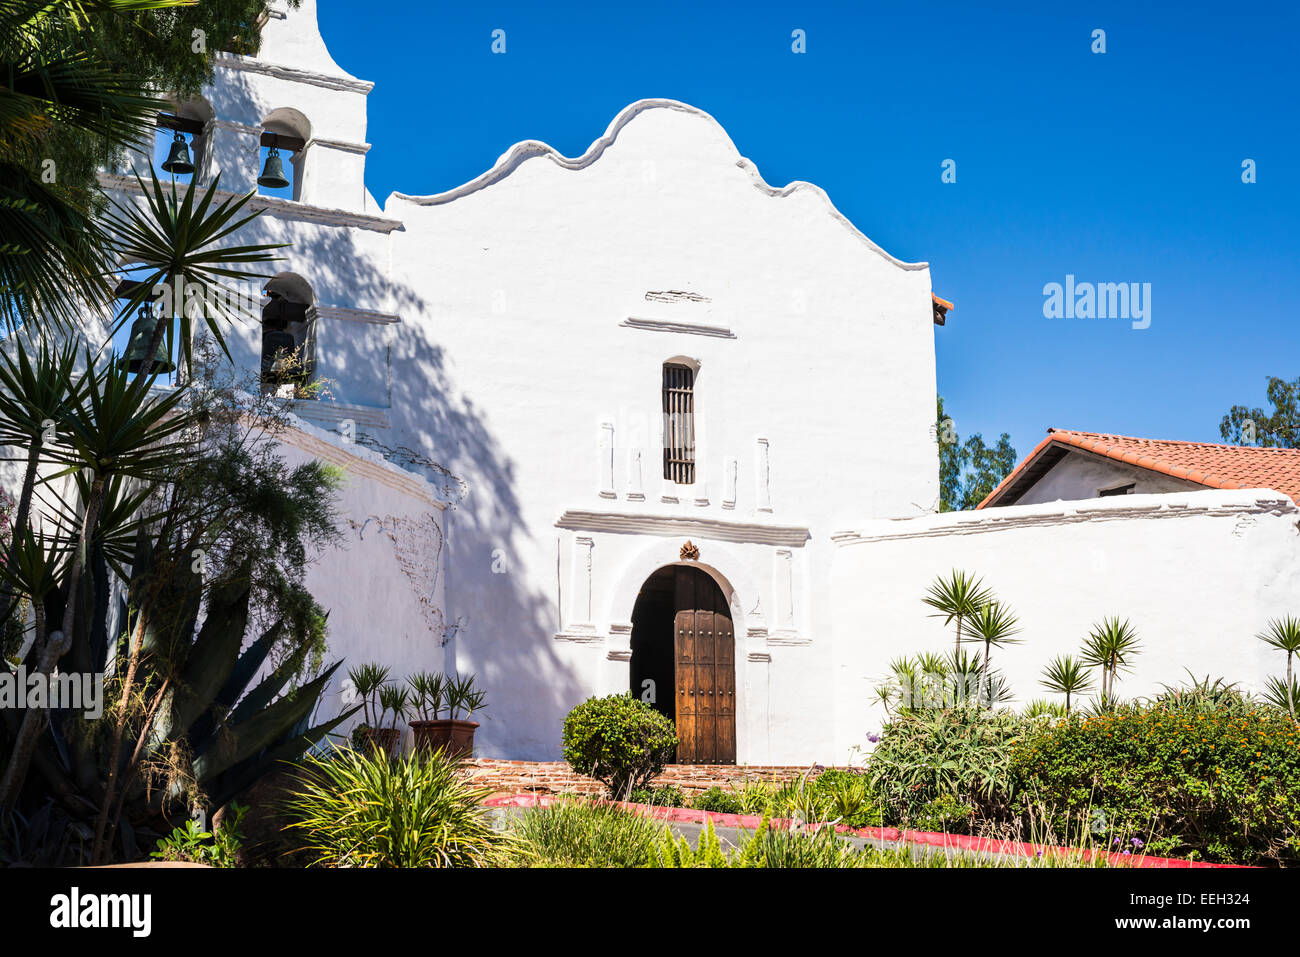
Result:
<point x="704" y="643"/>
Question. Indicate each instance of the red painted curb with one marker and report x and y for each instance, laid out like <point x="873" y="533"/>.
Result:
<point x="930" y="838"/>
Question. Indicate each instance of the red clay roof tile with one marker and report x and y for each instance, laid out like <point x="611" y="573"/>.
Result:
<point x="1215" y="466"/>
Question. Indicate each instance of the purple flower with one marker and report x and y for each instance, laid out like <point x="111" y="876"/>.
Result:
<point x="873" y="738"/>
<point x="1127" y="852"/>
<point x="1137" y="842"/>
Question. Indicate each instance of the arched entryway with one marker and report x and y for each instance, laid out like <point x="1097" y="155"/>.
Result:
<point x="684" y="661"/>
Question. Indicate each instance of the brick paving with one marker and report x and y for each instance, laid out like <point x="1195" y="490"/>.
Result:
<point x="555" y="777"/>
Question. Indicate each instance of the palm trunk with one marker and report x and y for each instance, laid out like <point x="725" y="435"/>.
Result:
<point x="137" y="640"/>
<point x="34" y="720"/>
<point x="22" y="511"/>
<point x="1290" y="688"/>
<point x="984" y="675"/>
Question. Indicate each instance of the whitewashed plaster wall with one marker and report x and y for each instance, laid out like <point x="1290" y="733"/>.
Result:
<point x="1080" y="475"/>
<point x="505" y="342"/>
<point x="553" y="290"/>
<point x="384" y="585"/>
<point x="1198" y="574"/>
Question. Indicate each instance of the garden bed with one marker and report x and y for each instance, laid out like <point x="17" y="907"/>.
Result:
<point x="880" y="835"/>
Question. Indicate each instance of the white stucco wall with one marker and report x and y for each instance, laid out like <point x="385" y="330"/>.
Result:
<point x="1198" y="574"/>
<point x="1079" y="475"/>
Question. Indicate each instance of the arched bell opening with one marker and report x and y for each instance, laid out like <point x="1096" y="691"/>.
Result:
<point x="683" y="660"/>
<point x="288" y="335"/>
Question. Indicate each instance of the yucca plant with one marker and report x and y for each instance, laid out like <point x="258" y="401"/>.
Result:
<point x="367" y="680"/>
<point x="356" y="809"/>
<point x="179" y="247"/>
<point x="1111" y="646"/>
<point x="1284" y="635"/>
<point x="430" y="693"/>
<point x="1068" y="676"/>
<point x="993" y="625"/>
<point x="394" y="700"/>
<point x="957" y="598"/>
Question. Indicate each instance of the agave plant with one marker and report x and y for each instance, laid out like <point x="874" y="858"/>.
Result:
<point x="1068" y="676"/>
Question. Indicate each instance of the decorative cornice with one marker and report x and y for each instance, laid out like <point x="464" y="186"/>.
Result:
<point x="284" y="208"/>
<point x="1153" y="507"/>
<point x="580" y="637"/>
<point x="795" y="536"/>
<point x="787" y="639"/>
<point x="246" y="64"/>
<point x="359" y="462"/>
<point x="343" y="145"/>
<point x="336" y="412"/>
<point x="348" y="314"/>
<point x="689" y="328"/>
<point x="761" y="657"/>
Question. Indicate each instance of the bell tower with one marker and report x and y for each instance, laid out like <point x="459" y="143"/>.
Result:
<point x="293" y="100"/>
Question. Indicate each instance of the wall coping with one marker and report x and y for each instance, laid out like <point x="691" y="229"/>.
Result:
<point x="1213" y="503"/>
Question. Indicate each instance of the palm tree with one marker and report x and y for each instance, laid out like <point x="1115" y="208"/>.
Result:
<point x="114" y="428"/>
<point x="957" y="598"/>
<point x="1068" y="676"/>
<point x="1284" y="635"/>
<point x="61" y="98"/>
<point x="994" y="625"/>
<point x="177" y="243"/>
<point x="1110" y="646"/>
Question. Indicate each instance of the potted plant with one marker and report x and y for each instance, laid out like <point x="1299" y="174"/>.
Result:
<point x="460" y="698"/>
<point x="369" y="682"/>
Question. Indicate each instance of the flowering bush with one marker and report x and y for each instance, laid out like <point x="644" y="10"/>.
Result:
<point x="1219" y="783"/>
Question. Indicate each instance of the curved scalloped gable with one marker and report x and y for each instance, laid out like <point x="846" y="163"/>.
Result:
<point x="656" y="141"/>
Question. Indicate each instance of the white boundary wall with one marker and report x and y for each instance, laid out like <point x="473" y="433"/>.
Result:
<point x="1198" y="574"/>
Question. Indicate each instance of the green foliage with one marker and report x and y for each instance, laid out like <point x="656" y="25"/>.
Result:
<point x="1283" y="634"/>
<point x="707" y="852"/>
<point x="1222" y="783"/>
<point x="850" y="798"/>
<point x="1278" y="429"/>
<point x="618" y="740"/>
<point x="190" y="843"/>
<point x="667" y="796"/>
<point x="719" y="800"/>
<point x="368" y="679"/>
<point x="1111" y="646"/>
<point x="963" y="752"/>
<point x="946" y="814"/>
<point x="969" y="471"/>
<point x="1068" y="676"/>
<point x="356" y="809"/>
<point x="581" y="833"/>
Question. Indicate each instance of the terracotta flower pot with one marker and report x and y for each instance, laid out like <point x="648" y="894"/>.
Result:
<point x="455" y="738"/>
<point x="378" y="740"/>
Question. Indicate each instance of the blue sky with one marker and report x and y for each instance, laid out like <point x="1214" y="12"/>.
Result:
<point x="1117" y="167"/>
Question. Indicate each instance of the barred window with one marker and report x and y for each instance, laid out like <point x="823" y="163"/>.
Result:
<point x="679" y="423"/>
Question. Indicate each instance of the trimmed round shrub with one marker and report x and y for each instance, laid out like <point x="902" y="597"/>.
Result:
<point x="1221" y="783"/>
<point x="618" y="740"/>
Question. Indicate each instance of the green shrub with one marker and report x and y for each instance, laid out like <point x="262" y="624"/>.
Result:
<point x="849" y="797"/>
<point x="963" y="752"/>
<point x="945" y="814"/>
<point x="618" y="740"/>
<point x="361" y="809"/>
<point x="581" y="833"/>
<point x="718" y="800"/>
<point x="666" y="796"/>
<point x="1178" y="776"/>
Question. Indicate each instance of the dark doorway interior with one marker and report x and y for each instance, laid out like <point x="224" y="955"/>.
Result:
<point x="652" y="641"/>
<point x="683" y="661"/>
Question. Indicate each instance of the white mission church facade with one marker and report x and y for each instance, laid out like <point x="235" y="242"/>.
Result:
<point x="589" y="404"/>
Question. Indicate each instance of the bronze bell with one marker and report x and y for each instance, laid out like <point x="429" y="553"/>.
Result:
<point x="137" y="346"/>
<point x="278" y="349"/>
<point x="178" y="159"/>
<point x="273" y="172"/>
